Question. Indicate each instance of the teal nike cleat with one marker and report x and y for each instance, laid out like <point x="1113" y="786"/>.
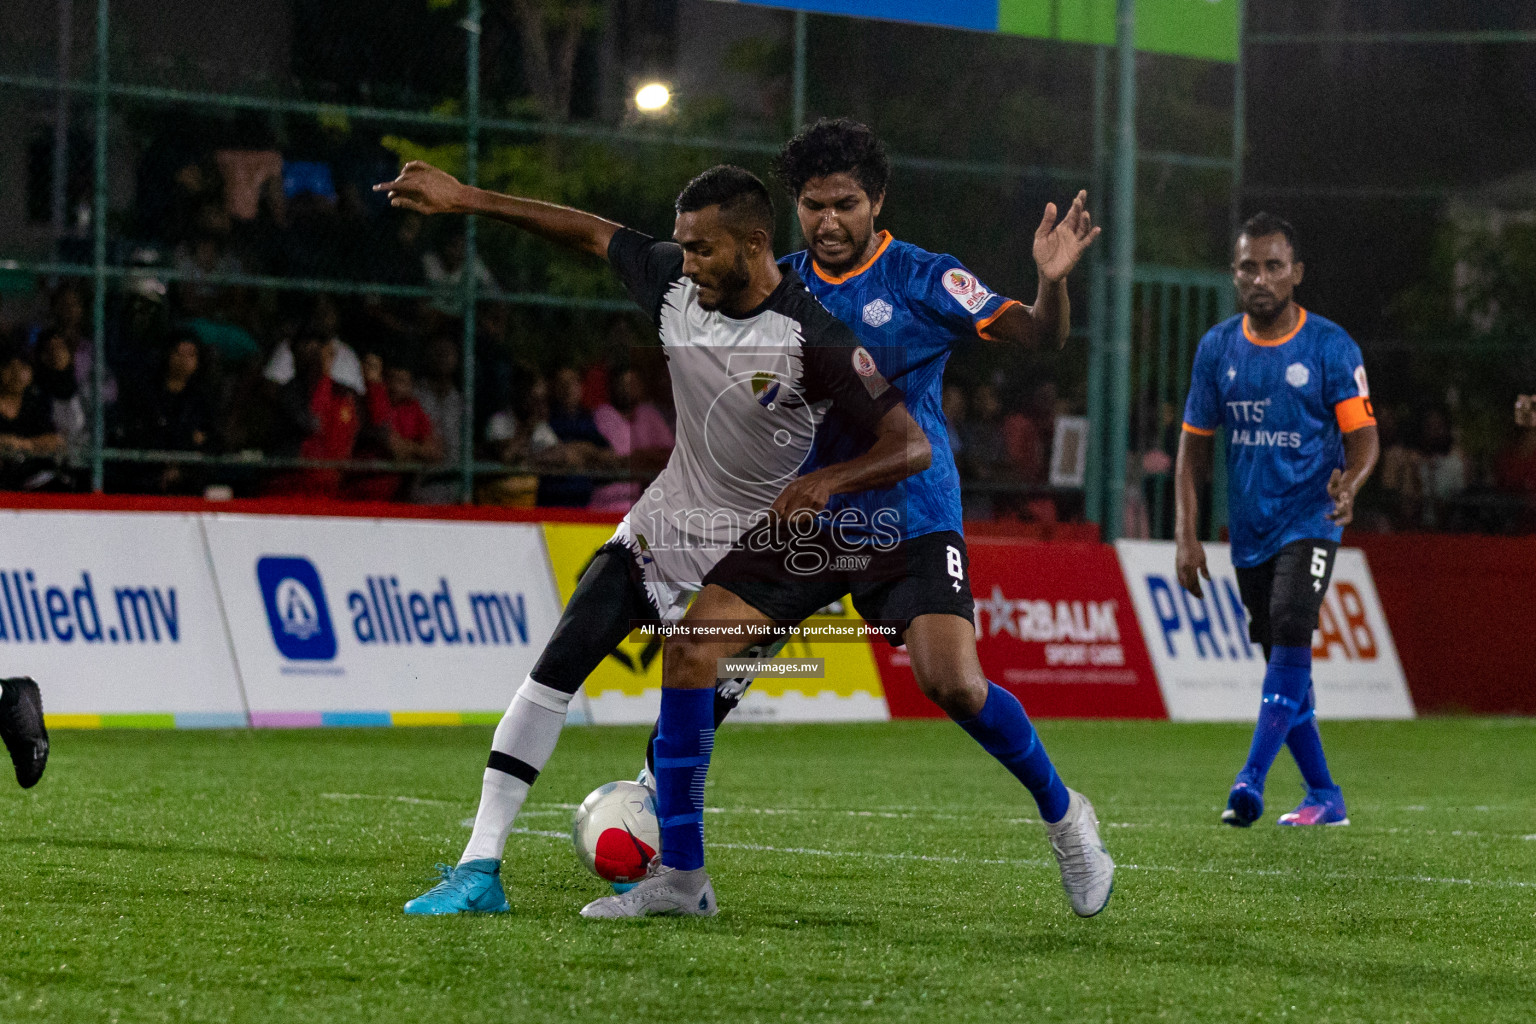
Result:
<point x="473" y="887"/>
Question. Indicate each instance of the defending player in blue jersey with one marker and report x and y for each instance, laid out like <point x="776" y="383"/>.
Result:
<point x="909" y="308"/>
<point x="1289" y="388"/>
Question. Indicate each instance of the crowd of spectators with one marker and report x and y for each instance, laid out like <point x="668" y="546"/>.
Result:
<point x="202" y="361"/>
<point x="341" y="380"/>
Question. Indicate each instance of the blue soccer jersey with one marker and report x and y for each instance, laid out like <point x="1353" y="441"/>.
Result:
<point x="1286" y="405"/>
<point x="909" y="307"/>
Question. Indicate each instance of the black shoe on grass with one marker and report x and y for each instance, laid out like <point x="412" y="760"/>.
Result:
<point x="22" y="729"/>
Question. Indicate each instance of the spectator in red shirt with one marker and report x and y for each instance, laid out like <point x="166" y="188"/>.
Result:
<point x="397" y="429"/>
<point x="314" y="418"/>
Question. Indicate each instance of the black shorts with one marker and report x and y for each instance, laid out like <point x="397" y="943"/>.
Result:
<point x="790" y="581"/>
<point x="1285" y="594"/>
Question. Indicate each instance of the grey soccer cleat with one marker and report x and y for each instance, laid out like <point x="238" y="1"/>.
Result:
<point x="662" y="892"/>
<point x="1087" y="871"/>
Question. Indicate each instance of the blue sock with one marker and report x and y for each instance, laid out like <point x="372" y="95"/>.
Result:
<point x="1286" y="683"/>
<point x="1003" y="730"/>
<point x="684" y="741"/>
<point x="1307" y="746"/>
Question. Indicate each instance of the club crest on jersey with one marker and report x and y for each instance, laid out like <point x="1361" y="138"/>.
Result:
<point x="965" y="289"/>
<point x="766" y="387"/>
<point x="1297" y="375"/>
<point x="864" y="363"/>
<point x="877" y="313"/>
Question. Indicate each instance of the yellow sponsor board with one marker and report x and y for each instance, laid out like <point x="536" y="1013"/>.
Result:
<point x="635" y="667"/>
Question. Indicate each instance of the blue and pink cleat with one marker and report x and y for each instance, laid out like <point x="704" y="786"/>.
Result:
<point x="1321" y="807"/>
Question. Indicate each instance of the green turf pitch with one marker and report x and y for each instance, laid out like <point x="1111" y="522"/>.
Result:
<point x="865" y="873"/>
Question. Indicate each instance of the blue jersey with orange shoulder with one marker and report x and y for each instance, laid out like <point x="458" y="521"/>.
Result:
<point x="1286" y="406"/>
<point x="909" y="307"/>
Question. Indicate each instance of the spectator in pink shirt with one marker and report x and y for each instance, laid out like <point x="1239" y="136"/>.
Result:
<point x="638" y="434"/>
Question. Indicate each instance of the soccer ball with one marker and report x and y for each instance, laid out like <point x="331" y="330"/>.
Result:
<point x="616" y="831"/>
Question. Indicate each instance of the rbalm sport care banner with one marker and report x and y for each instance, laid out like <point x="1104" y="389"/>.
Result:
<point x="1054" y="626"/>
<point x="372" y="618"/>
<point x="1210" y="671"/>
<point x="115" y="614"/>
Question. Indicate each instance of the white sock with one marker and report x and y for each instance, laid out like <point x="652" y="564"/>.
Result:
<point x="524" y="739"/>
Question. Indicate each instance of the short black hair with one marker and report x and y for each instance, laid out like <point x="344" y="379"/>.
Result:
<point x="1265" y="223"/>
<point x="835" y="146"/>
<point x="741" y="195"/>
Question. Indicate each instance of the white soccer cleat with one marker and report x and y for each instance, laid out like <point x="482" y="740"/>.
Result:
<point x="656" y="895"/>
<point x="1087" y="871"/>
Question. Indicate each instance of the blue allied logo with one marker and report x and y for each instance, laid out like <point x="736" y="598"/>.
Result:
<point x="296" y="608"/>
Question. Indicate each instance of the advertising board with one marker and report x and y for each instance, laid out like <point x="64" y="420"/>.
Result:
<point x="1210" y="671"/>
<point x="372" y="618"/>
<point x="117" y="614"/>
<point x="1055" y="626"/>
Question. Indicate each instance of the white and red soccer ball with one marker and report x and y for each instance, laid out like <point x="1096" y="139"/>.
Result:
<point x="616" y="831"/>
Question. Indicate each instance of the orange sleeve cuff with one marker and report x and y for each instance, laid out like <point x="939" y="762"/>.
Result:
<point x="1199" y="430"/>
<point x="1354" y="413"/>
<point x="982" y="325"/>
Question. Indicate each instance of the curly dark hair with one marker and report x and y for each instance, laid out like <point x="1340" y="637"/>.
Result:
<point x="835" y="146"/>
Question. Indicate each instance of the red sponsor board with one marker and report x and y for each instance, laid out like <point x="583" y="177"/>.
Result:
<point x="1055" y="626"/>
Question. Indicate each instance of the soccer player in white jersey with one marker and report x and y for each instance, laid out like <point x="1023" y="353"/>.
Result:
<point x="756" y="363"/>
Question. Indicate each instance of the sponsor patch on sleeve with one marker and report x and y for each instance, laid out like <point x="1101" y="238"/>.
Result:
<point x="966" y="290"/>
<point x="1365" y="390"/>
<point x="869" y="373"/>
<point x="864" y="363"/>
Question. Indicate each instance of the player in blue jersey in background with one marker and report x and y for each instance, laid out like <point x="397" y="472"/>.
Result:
<point x="909" y="308"/>
<point x="1290" y="390"/>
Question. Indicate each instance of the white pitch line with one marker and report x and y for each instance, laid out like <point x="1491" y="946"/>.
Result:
<point x="802" y="851"/>
<point x="389" y="799"/>
<point x="561" y="809"/>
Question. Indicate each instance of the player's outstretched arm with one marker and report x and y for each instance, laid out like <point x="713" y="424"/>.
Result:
<point x="1196" y="452"/>
<point x="900" y="450"/>
<point x="1361" y="449"/>
<point x="427" y="189"/>
<point x="1058" y="246"/>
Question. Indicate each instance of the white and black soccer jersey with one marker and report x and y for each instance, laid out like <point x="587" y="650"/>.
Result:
<point x="750" y="392"/>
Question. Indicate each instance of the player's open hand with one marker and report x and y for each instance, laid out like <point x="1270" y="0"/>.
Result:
<point x="1058" y="246"/>
<point x="1343" y="499"/>
<point x="424" y="188"/>
<point x="1189" y="564"/>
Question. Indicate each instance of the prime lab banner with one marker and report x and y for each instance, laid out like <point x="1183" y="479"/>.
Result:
<point x="1210" y="671"/>
<point x="115" y="613"/>
<point x="340" y="621"/>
